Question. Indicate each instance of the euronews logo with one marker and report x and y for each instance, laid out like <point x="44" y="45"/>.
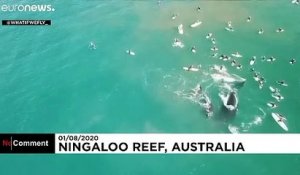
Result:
<point x="27" y="8"/>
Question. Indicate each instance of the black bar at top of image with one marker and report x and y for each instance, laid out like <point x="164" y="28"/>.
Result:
<point x="26" y="22"/>
<point x="27" y="143"/>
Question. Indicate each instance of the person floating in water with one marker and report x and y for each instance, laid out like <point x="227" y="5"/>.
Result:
<point x="280" y="30"/>
<point x="174" y="16"/>
<point x="92" y="45"/>
<point x="292" y="61"/>
<point x="193" y="49"/>
<point x="282" y="83"/>
<point x="248" y="18"/>
<point x="281" y="118"/>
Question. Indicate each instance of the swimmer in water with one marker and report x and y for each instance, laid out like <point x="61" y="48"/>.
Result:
<point x="248" y="18"/>
<point x="193" y="49"/>
<point x="282" y="83"/>
<point x="233" y="63"/>
<point x="272" y="105"/>
<point x="292" y="61"/>
<point x="229" y="24"/>
<point x="261" y="84"/>
<point x="213" y="40"/>
<point x="280" y="30"/>
<point x="252" y="60"/>
<point x="239" y="66"/>
<point x="271" y="59"/>
<point x="281" y="118"/>
<point x="260" y="31"/>
<point x="209" y="35"/>
<point x="174" y="16"/>
<point x="92" y="45"/>
<point x="214" y="54"/>
<point x="198" y="8"/>
<point x="214" y="48"/>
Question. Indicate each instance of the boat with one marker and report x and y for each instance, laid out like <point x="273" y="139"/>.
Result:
<point x="280" y="120"/>
<point x="196" y="24"/>
<point x="230" y="100"/>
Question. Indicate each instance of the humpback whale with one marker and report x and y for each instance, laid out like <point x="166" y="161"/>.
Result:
<point x="230" y="101"/>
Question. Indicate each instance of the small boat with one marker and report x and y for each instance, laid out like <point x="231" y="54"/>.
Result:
<point x="230" y="100"/>
<point x="196" y="24"/>
<point x="280" y="120"/>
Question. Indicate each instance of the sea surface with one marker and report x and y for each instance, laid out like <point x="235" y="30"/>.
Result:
<point x="53" y="80"/>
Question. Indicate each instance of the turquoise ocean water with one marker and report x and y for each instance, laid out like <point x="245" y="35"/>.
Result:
<point x="52" y="81"/>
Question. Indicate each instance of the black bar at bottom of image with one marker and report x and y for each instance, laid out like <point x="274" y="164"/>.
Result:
<point x="26" y="22"/>
<point x="27" y="143"/>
